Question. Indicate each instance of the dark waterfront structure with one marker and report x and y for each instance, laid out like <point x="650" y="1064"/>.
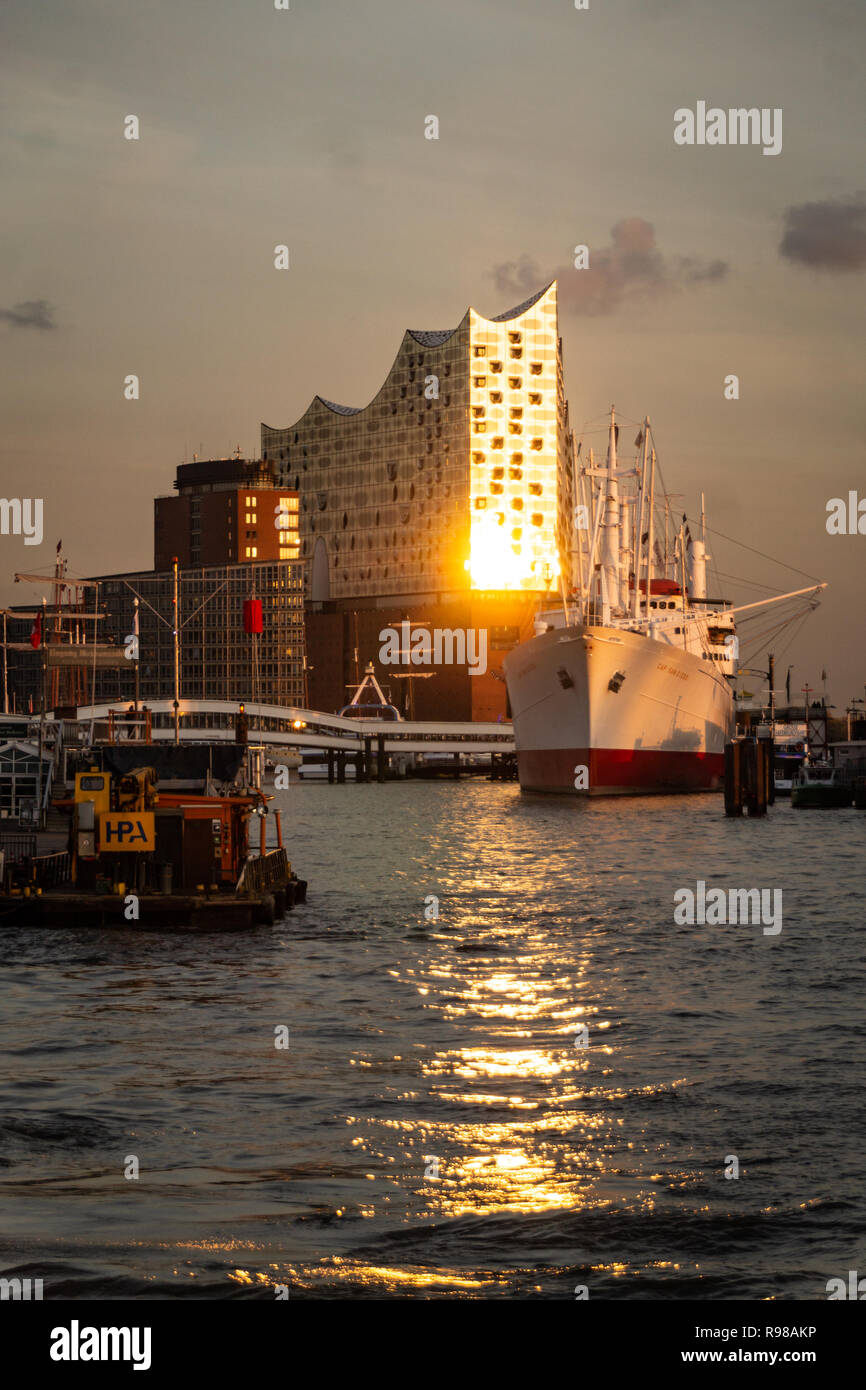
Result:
<point x="219" y="660"/>
<point x="446" y="501"/>
<point x="217" y="657"/>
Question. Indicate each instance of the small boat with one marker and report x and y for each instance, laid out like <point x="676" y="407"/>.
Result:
<point x="819" y="784"/>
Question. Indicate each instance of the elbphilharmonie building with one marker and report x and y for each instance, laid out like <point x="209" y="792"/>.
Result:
<point x="448" y="495"/>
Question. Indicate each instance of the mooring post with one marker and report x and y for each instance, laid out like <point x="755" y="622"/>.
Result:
<point x="341" y="767"/>
<point x="381" y="758"/>
<point x="733" y="786"/>
<point x="368" y="759"/>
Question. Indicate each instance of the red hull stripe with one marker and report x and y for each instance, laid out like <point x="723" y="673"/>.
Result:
<point x="619" y="770"/>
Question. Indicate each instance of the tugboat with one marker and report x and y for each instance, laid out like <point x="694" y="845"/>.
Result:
<point x="819" y="785"/>
<point x="137" y="856"/>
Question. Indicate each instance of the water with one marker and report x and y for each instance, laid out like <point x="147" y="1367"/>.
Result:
<point x="415" y="1043"/>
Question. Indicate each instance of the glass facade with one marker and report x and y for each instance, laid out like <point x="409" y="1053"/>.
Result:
<point x="456" y="476"/>
<point x="218" y="659"/>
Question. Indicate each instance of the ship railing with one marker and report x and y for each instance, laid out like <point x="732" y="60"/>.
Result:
<point x="50" y="870"/>
<point x="271" y="870"/>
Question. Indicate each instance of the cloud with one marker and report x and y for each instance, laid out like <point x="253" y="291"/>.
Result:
<point x="32" y="313"/>
<point x="830" y="235"/>
<point x="631" y="266"/>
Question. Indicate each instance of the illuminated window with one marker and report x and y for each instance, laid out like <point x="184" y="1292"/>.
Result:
<point x="537" y="444"/>
<point x="497" y="442"/>
<point x="514" y="337"/>
<point x="516" y="352"/>
<point x="537" y="519"/>
<point x="496" y="397"/>
<point x="480" y="351"/>
<point x="478" y="411"/>
<point x="479" y="427"/>
<point x="515" y="429"/>
<point x="535" y="489"/>
<point x="481" y="503"/>
<point x="496" y="488"/>
<point x="288" y="504"/>
<point x="517" y="533"/>
<point x="535" y="398"/>
<point x="517" y="503"/>
<point x="497" y="473"/>
<point x="479" y="381"/>
<point x="515" y="474"/>
<point x="496" y="366"/>
<point x="516" y="412"/>
<point x="535" y="368"/>
<point x="478" y="458"/>
<point x="516" y="458"/>
<point x="515" y="382"/>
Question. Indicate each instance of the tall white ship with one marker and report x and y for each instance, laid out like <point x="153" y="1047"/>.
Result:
<point x="628" y="687"/>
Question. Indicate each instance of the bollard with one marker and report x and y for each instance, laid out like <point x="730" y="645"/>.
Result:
<point x="733" y="788"/>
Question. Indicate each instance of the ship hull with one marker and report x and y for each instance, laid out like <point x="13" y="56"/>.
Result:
<point x="640" y="716"/>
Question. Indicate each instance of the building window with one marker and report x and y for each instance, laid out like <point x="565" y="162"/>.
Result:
<point x="479" y="351"/>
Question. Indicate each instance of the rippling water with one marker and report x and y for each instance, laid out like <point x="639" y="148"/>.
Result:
<point x="448" y="1046"/>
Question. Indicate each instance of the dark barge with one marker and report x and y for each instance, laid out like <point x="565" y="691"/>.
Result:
<point x="132" y="852"/>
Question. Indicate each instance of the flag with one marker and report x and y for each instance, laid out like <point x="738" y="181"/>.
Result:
<point x="59" y="544"/>
<point x="135" y="618"/>
<point x="36" y="633"/>
<point x="823" y="675"/>
<point x="788" y="686"/>
<point x="639" y="439"/>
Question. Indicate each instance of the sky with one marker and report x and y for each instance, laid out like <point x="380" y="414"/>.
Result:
<point x="306" y="127"/>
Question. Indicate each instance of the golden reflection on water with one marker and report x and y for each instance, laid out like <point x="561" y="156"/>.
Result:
<point x="518" y="1115"/>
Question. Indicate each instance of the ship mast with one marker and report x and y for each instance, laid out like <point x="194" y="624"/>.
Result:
<point x="610" y="553"/>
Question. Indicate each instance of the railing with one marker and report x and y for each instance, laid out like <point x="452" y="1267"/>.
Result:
<point x="17" y="847"/>
<point x="127" y="726"/>
<point x="50" y="870"/>
<point x="268" y="871"/>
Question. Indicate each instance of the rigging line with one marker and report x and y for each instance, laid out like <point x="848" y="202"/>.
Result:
<point x="763" y="554"/>
<point x="749" y="583"/>
<point x="757" y="641"/>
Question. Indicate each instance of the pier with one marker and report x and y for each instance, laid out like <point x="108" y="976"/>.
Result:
<point x="369" y="747"/>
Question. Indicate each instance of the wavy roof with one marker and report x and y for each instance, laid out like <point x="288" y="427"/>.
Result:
<point x="430" y="337"/>
<point x="522" y="308"/>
